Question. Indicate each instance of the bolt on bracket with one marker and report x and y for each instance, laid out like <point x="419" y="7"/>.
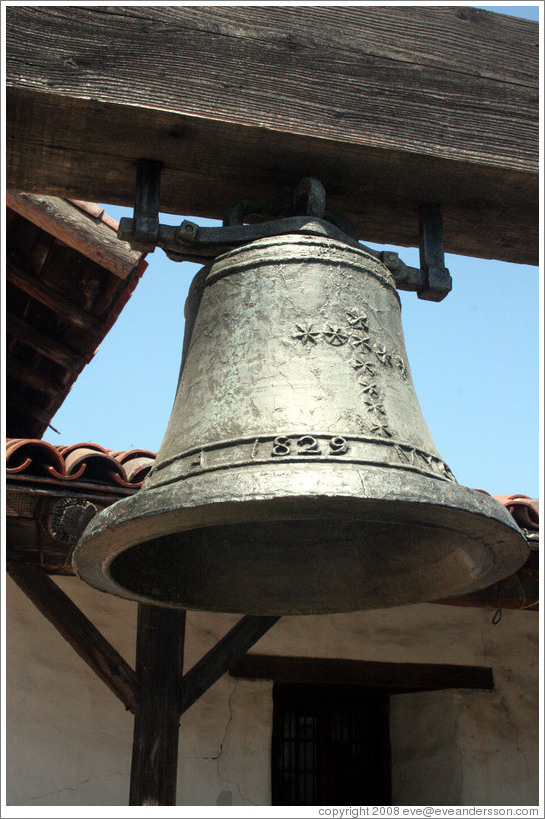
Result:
<point x="192" y="243"/>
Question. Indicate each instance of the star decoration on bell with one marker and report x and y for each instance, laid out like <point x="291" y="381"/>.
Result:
<point x="305" y="334"/>
<point x="335" y="336"/>
<point x="400" y="366"/>
<point x="357" y="320"/>
<point x="361" y="343"/>
<point x="381" y="429"/>
<point x="383" y="355"/>
<point x="363" y="367"/>
<point x="370" y="389"/>
<point x="375" y="406"/>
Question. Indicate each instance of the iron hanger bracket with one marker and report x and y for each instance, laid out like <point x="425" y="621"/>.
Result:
<point x="432" y="255"/>
<point x="306" y="213"/>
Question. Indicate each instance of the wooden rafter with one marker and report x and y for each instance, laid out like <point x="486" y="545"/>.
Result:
<point x="90" y="237"/>
<point x="30" y="377"/>
<point x="52" y="299"/>
<point x="41" y="342"/>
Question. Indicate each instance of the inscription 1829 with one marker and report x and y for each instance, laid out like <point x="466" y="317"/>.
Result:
<point x="306" y="445"/>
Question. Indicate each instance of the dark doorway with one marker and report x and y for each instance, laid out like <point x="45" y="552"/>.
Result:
<point x="330" y="746"/>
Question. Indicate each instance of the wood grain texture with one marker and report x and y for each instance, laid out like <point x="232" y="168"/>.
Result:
<point x="80" y="231"/>
<point x="159" y="663"/>
<point x="389" y="106"/>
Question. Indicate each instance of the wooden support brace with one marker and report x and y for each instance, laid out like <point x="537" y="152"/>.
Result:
<point x="219" y="659"/>
<point x="78" y="631"/>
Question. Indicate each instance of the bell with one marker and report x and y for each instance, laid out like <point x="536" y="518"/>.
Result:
<point x="297" y="474"/>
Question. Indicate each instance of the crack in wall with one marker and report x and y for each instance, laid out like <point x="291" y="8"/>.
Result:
<point x="488" y="656"/>
<point x="515" y="730"/>
<point x="72" y="788"/>
<point x="218" y="758"/>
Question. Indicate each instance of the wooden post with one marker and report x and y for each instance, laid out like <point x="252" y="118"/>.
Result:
<point x="159" y="666"/>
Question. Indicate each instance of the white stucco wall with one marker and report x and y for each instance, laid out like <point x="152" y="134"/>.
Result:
<point x="69" y="739"/>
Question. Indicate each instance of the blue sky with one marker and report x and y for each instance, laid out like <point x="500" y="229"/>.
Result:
<point x="474" y="359"/>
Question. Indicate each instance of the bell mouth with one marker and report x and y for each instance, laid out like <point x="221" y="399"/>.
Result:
<point x="300" y="566"/>
<point x="304" y="552"/>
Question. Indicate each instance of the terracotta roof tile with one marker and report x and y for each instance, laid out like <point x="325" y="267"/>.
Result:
<point x="86" y="462"/>
<point x="97" y="211"/>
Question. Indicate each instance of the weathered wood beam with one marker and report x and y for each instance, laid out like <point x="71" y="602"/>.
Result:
<point x="81" y="231"/>
<point x="82" y="635"/>
<point x="31" y="378"/>
<point x="41" y="342"/>
<point x="52" y="299"/>
<point x="389" y="106"/>
<point x="159" y="664"/>
<point x="219" y="659"/>
<point x="396" y="677"/>
<point x="29" y="408"/>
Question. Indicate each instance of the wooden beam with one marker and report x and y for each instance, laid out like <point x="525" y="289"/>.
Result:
<point x="41" y="342"/>
<point x="52" y="299"/>
<point x="219" y="659"/>
<point x="395" y="677"/>
<point x="32" y="378"/>
<point x="389" y="106"/>
<point x="81" y="231"/>
<point x="159" y="663"/>
<point x="82" y="635"/>
<point x="28" y="408"/>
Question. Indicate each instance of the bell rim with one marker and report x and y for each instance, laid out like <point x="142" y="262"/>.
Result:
<point x="115" y="530"/>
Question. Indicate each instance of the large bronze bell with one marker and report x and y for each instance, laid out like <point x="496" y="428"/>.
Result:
<point x="297" y="474"/>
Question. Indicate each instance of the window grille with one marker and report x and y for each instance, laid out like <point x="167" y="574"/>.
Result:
<point x="331" y="746"/>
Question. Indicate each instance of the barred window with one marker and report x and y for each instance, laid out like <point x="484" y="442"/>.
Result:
<point x="331" y="746"/>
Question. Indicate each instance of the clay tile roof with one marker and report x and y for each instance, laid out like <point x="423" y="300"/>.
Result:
<point x="84" y="462"/>
<point x="524" y="509"/>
